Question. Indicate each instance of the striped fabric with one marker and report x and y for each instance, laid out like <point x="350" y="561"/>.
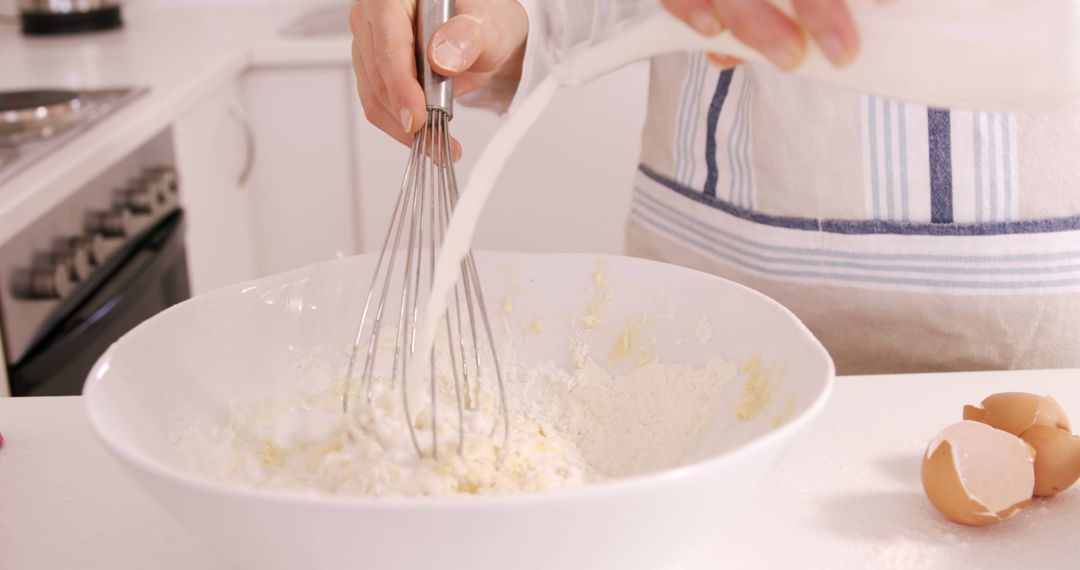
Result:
<point x="688" y="129"/>
<point x="809" y="193"/>
<point x="986" y="189"/>
<point x="917" y="263"/>
<point x="885" y="129"/>
<point x="739" y="167"/>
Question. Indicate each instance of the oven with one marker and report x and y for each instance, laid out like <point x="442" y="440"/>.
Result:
<point x="104" y="259"/>
<point x="146" y="276"/>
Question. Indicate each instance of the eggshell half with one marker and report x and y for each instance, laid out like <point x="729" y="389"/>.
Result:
<point x="1015" y="412"/>
<point x="1057" y="459"/>
<point x="977" y="475"/>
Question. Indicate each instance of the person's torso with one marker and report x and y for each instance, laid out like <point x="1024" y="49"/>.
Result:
<point x="907" y="237"/>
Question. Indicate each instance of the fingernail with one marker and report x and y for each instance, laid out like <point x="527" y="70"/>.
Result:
<point x="406" y="120"/>
<point x="449" y="56"/>
<point x="784" y="58"/>
<point x="705" y="23"/>
<point x="835" y="49"/>
<point x="724" y="61"/>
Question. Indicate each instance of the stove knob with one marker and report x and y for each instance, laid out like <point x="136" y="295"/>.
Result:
<point x="166" y="176"/>
<point x="170" y="179"/>
<point x="51" y="283"/>
<point x="75" y="259"/>
<point x="141" y="198"/>
<point x="93" y="245"/>
<point x="157" y="194"/>
<point x="113" y="223"/>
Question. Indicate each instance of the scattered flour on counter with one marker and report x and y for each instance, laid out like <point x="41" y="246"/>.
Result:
<point x="567" y="427"/>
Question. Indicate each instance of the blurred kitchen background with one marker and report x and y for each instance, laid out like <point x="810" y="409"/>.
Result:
<point x="202" y="144"/>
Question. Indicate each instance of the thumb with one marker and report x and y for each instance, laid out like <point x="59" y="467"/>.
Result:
<point x="479" y="42"/>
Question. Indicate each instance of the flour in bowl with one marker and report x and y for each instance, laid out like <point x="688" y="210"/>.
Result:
<point x="567" y="427"/>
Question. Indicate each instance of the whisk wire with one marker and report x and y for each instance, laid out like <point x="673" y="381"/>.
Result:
<point x="399" y="209"/>
<point x="471" y="275"/>
<point x="467" y="286"/>
<point x="443" y="215"/>
<point x="425" y="204"/>
<point x="412" y="294"/>
<point x="434" y="177"/>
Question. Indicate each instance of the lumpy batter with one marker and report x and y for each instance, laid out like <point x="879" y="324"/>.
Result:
<point x="567" y="427"/>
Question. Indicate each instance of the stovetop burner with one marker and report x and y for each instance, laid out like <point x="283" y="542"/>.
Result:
<point x="34" y="123"/>
<point x="32" y="114"/>
<point x="30" y="100"/>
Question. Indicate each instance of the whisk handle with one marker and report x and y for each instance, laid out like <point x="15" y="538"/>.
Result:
<point x="439" y="90"/>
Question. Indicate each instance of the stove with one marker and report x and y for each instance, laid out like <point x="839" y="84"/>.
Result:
<point x="105" y="258"/>
<point x="36" y="123"/>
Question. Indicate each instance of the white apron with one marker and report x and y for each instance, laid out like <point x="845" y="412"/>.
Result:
<point x="906" y="238"/>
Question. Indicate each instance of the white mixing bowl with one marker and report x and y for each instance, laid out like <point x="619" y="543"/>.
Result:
<point x="202" y="352"/>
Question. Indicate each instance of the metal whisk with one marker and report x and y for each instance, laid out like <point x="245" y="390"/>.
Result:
<point x="428" y="194"/>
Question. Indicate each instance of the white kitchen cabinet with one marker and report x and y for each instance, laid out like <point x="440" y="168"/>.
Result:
<point x="267" y="173"/>
<point x="212" y="153"/>
<point x="302" y="188"/>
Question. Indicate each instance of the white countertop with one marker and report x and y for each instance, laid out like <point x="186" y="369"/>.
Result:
<point x="848" y="496"/>
<point x="180" y="52"/>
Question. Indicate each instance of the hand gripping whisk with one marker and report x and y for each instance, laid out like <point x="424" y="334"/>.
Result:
<point x="404" y="271"/>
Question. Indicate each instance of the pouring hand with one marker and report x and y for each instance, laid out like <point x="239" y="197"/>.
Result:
<point x="780" y="38"/>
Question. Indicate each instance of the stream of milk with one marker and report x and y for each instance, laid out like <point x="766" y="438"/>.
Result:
<point x="459" y="234"/>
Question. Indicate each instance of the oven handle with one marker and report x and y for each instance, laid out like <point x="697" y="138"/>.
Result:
<point x="166" y="246"/>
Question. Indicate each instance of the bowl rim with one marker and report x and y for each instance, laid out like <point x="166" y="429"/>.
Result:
<point x="133" y="457"/>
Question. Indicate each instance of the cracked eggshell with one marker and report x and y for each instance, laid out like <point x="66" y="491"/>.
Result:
<point x="1015" y="412"/>
<point x="1057" y="459"/>
<point x="977" y="475"/>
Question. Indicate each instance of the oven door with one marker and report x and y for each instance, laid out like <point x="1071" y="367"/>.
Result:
<point x="153" y="277"/>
